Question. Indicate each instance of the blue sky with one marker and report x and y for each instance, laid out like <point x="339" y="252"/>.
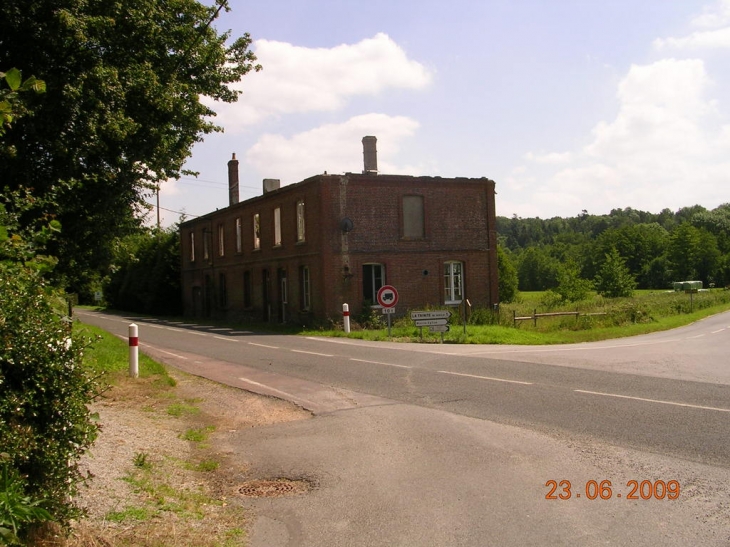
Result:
<point x="567" y="105"/>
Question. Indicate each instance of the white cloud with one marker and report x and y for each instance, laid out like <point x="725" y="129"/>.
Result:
<point x="709" y="39"/>
<point x="335" y="148"/>
<point x="300" y="79"/>
<point x="715" y="17"/>
<point x="663" y="148"/>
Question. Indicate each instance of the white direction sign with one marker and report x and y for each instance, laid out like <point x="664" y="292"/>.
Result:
<point x="439" y="328"/>
<point x="435" y="314"/>
<point x="431" y="322"/>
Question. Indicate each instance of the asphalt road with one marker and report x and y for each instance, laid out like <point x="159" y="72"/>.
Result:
<point x="688" y="419"/>
<point x="652" y="406"/>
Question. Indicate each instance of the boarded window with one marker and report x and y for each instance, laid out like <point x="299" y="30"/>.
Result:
<point x="413" y="223"/>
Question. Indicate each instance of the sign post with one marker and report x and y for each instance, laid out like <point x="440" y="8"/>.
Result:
<point x="387" y="297"/>
<point x="436" y="321"/>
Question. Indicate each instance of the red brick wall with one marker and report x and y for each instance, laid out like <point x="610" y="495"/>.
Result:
<point x="459" y="221"/>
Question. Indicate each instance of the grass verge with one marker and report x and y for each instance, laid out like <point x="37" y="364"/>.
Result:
<point x="168" y="493"/>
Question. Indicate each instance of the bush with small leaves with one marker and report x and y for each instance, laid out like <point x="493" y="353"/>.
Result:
<point x="45" y="423"/>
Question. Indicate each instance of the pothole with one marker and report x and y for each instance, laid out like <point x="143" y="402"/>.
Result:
<point x="274" y="488"/>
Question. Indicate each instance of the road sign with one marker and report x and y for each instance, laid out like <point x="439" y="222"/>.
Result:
<point x="388" y="310"/>
<point x="439" y="328"/>
<point x="387" y="296"/>
<point x="435" y="314"/>
<point x="431" y="322"/>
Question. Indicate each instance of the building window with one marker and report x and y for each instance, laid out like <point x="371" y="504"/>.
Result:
<point x="304" y="289"/>
<point x="192" y="246"/>
<point x="453" y="282"/>
<point x="373" y="277"/>
<point x="300" y="220"/>
<point x="277" y="227"/>
<point x="206" y="244"/>
<point x="413" y="224"/>
<point x="221" y="240"/>
<point x="256" y="231"/>
<point x="247" y="289"/>
<point x="222" y="291"/>
<point x="239" y="235"/>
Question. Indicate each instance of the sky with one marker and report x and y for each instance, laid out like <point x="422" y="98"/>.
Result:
<point x="568" y="105"/>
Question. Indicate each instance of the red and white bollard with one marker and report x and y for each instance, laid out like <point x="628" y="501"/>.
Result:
<point x="346" y="317"/>
<point x="133" y="351"/>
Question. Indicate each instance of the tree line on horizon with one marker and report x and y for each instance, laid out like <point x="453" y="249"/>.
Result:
<point x="655" y="250"/>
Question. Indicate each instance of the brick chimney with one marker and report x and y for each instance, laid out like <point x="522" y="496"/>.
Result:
<point x="370" y="154"/>
<point x="233" y="181"/>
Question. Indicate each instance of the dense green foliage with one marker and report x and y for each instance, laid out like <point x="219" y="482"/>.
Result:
<point x="614" y="279"/>
<point x="508" y="280"/>
<point x="146" y="276"/>
<point x="125" y="81"/>
<point x="656" y="249"/>
<point x="45" y="424"/>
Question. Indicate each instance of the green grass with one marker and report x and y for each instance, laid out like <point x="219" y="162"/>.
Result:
<point x="646" y="312"/>
<point x="180" y="409"/>
<point x="107" y="354"/>
<point x="197" y="434"/>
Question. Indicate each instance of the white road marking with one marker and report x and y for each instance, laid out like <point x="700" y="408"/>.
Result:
<point x="485" y="378"/>
<point x="379" y="363"/>
<point x="166" y="352"/>
<point x="716" y="331"/>
<point x="289" y="395"/>
<point x="693" y="337"/>
<point x="173" y="329"/>
<point x="263" y="345"/>
<point x="312" y="353"/>
<point x="226" y="338"/>
<point x="653" y="400"/>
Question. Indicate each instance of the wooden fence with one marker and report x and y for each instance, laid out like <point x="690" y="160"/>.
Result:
<point x="534" y="317"/>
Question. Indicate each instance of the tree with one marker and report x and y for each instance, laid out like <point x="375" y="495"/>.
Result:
<point x="694" y="254"/>
<point x="571" y="287"/>
<point x="146" y="276"/>
<point x="508" y="280"/>
<point x="614" y="279"/>
<point x="122" y="110"/>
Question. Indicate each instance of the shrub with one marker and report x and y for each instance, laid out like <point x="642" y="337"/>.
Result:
<point x="45" y="424"/>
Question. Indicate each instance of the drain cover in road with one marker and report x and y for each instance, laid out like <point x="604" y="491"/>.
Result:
<point x="274" y="488"/>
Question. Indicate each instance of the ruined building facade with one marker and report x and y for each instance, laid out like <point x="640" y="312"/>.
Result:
<point x="298" y="252"/>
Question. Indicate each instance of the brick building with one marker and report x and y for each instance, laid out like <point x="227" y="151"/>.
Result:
<point x="298" y="252"/>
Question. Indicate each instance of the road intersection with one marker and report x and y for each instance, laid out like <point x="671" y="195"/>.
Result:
<point x="651" y="408"/>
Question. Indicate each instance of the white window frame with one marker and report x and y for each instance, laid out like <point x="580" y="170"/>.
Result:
<point x="256" y="231"/>
<point x="277" y="227"/>
<point x="300" y="221"/>
<point x="221" y="240"/>
<point x="453" y="282"/>
<point x="239" y="235"/>
<point x="374" y="289"/>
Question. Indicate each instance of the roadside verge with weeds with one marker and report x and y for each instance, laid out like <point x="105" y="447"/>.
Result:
<point x="163" y="474"/>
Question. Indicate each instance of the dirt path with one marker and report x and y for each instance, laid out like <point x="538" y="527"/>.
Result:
<point x="163" y="470"/>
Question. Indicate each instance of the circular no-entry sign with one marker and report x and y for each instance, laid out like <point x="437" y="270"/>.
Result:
<point x="387" y="296"/>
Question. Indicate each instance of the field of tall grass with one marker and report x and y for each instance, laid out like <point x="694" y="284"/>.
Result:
<point x="596" y="318"/>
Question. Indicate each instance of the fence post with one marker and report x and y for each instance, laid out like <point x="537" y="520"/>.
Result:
<point x="534" y="317"/>
<point x="346" y="317"/>
<point x="133" y="351"/>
